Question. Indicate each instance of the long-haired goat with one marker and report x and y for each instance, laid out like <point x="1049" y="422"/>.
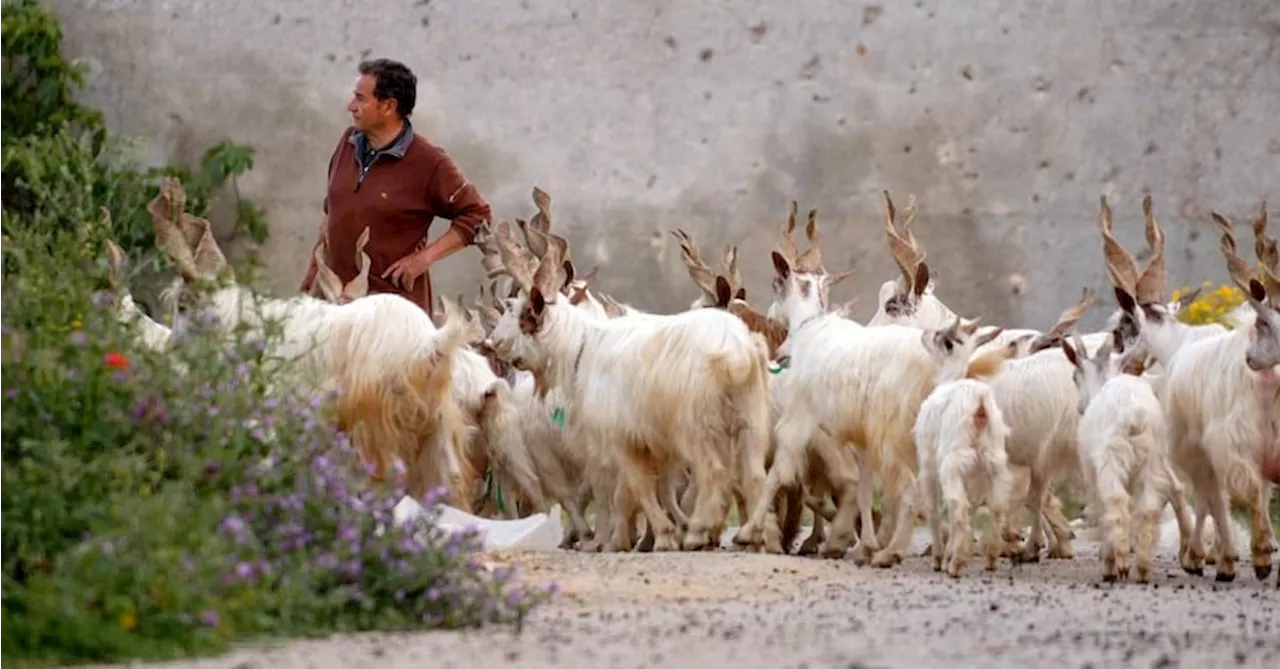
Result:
<point x="1124" y="455"/>
<point x="960" y="444"/>
<point x="626" y="397"/>
<point x="853" y="386"/>
<point x="392" y="373"/>
<point x="151" y="333"/>
<point x="1220" y="414"/>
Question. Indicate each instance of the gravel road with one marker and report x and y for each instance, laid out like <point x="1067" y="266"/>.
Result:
<point x="745" y="611"/>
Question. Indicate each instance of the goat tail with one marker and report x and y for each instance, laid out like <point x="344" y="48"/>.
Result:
<point x="988" y="363"/>
<point x="743" y="368"/>
<point x="986" y="420"/>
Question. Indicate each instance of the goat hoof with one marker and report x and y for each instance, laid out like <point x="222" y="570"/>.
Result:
<point x="1026" y="556"/>
<point x="1262" y="571"/>
<point x="1062" y="552"/>
<point x="885" y="559"/>
<point x="1224" y="577"/>
<point x="836" y="553"/>
<point x="695" y="541"/>
<point x="1194" y="571"/>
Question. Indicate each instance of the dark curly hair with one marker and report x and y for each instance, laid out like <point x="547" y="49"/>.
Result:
<point x="393" y="79"/>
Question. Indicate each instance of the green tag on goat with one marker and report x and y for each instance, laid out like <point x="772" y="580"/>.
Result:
<point x="782" y="364"/>
<point x="557" y="417"/>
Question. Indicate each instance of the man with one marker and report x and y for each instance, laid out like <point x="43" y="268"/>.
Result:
<point x="385" y="176"/>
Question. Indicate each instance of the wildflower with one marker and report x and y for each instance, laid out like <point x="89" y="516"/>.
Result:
<point x="128" y="621"/>
<point x="114" y="360"/>
<point x="232" y="525"/>
<point x="244" y="570"/>
<point x="78" y="338"/>
<point x="209" y="618"/>
<point x="104" y="298"/>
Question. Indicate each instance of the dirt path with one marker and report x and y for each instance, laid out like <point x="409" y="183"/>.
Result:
<point x="706" y="610"/>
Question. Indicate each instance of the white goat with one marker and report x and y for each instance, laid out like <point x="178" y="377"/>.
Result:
<point x="960" y="445"/>
<point x="687" y="389"/>
<point x="851" y="386"/>
<point x="391" y="368"/>
<point x="151" y="333"/>
<point x="1221" y="415"/>
<point x="1124" y="455"/>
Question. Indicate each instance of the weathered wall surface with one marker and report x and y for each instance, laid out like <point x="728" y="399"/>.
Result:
<point x="1006" y="118"/>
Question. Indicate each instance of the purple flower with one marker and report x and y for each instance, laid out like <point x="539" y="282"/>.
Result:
<point x="514" y="598"/>
<point x="232" y="525"/>
<point x="77" y="338"/>
<point x="104" y="298"/>
<point x="244" y="570"/>
<point x="120" y="376"/>
<point x="209" y="618"/>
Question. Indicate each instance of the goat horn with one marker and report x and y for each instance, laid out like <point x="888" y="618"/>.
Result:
<point x="1239" y="270"/>
<point x="1121" y="267"/>
<point x="788" y="247"/>
<point x="1150" y="287"/>
<point x="811" y="260"/>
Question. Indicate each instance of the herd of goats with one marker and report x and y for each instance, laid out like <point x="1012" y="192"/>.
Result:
<point x="553" y="392"/>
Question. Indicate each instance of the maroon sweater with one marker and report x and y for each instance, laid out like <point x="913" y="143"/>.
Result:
<point x="397" y="192"/>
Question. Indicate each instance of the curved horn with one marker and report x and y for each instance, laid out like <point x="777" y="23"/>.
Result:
<point x="1121" y="267"/>
<point x="1150" y="287"/>
<point x="811" y="260"/>
<point x="788" y="247"/>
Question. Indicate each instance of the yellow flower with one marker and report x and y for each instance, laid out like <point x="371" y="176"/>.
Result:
<point x="1211" y="306"/>
<point x="128" y="621"/>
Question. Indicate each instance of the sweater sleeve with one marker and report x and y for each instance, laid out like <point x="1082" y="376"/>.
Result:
<point x="453" y="197"/>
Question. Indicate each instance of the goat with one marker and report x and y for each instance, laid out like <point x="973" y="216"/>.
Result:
<point x="623" y="392"/>
<point x="380" y="352"/>
<point x="851" y="385"/>
<point x="960" y="434"/>
<point x="1124" y="454"/>
<point x="150" y="333"/>
<point x="1220" y="413"/>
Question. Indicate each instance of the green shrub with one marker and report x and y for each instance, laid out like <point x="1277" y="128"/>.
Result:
<point x="160" y="504"/>
<point x="46" y="132"/>
<point x="150" y="511"/>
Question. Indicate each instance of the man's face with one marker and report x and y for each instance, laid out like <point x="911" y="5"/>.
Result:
<point x="367" y="111"/>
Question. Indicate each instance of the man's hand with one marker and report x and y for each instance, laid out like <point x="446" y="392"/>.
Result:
<point x="406" y="271"/>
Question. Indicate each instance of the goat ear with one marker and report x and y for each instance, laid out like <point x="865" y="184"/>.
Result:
<point x="590" y="277"/>
<point x="1125" y="300"/>
<point x="986" y="337"/>
<point x="724" y="293"/>
<point x="741" y="294"/>
<point x="1257" y="291"/>
<point x="835" y="279"/>
<point x="569" y="273"/>
<point x="537" y="302"/>
<point x="1186" y="300"/>
<point x="781" y="266"/>
<point x="1070" y="351"/>
<point x="921" y="279"/>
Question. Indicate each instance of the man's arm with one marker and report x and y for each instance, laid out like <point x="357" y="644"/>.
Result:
<point x="455" y="198"/>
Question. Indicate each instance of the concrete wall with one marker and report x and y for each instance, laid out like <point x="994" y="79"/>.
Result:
<point x="1006" y="118"/>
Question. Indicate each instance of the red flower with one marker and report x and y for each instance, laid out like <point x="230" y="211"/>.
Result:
<point x="115" y="360"/>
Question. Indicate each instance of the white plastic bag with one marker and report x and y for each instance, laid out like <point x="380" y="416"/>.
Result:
<point x="538" y="532"/>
